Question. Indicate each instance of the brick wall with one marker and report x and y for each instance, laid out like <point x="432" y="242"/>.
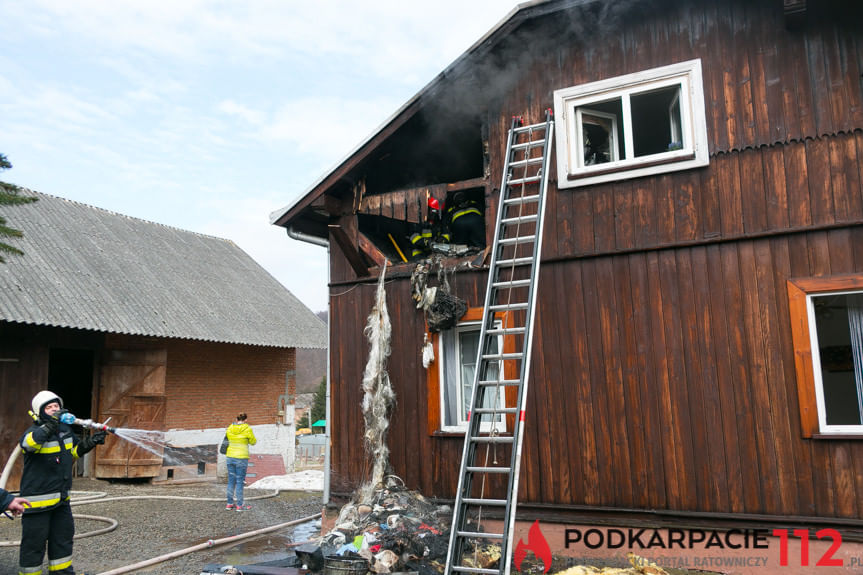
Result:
<point x="208" y="384"/>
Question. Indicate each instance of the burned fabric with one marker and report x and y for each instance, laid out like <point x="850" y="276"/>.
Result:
<point x="442" y="308"/>
<point x="378" y="395"/>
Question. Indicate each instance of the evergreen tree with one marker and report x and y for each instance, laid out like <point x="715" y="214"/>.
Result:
<point x="9" y="196"/>
<point x="319" y="404"/>
<point x="303" y="421"/>
<point x="318" y="409"/>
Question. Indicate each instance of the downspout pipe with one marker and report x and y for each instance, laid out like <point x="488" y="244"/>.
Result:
<point x="300" y="236"/>
<point x="309" y="239"/>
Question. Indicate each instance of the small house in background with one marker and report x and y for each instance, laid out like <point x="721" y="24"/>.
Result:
<point x="154" y="327"/>
<point x="695" y="356"/>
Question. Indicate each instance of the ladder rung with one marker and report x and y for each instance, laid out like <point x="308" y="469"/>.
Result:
<point x="526" y="162"/>
<point x="494" y="410"/>
<point x="530" y="127"/>
<point x="511" y="284"/>
<point x="475" y="570"/>
<point x="492" y="439"/>
<point x="478" y="469"/>
<point x="502" y="356"/>
<point x="518" y="220"/>
<point x="517" y="240"/>
<point x="489" y="502"/>
<point x="531" y="144"/>
<point x="508" y="306"/>
<point x="505" y="331"/>
<point x="522" y="199"/>
<point x="527" y="180"/>
<point x="505" y="382"/>
<point x="480" y="535"/>
<point x="515" y="262"/>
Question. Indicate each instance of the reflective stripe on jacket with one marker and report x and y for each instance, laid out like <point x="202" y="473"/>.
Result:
<point x="463" y="212"/>
<point x="240" y="437"/>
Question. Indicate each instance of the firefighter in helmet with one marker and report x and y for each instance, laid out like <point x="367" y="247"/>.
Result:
<point x="430" y="232"/>
<point x="466" y="223"/>
<point x="50" y="450"/>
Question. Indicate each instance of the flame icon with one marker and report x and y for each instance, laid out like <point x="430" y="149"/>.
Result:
<point x="535" y="542"/>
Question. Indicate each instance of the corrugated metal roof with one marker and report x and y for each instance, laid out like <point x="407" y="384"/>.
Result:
<point x="88" y="268"/>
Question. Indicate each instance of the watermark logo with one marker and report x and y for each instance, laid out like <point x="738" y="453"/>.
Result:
<point x="535" y="542"/>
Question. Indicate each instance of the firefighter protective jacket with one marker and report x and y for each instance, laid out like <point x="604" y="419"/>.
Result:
<point x="48" y="462"/>
<point x="240" y="436"/>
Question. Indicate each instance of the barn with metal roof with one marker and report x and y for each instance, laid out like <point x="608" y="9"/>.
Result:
<point x="156" y="327"/>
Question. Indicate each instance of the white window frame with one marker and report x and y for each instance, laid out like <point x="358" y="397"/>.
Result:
<point x="693" y="129"/>
<point x="612" y="136"/>
<point x="461" y="425"/>
<point x="820" y="401"/>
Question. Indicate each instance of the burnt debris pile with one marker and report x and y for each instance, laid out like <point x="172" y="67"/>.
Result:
<point x="397" y="530"/>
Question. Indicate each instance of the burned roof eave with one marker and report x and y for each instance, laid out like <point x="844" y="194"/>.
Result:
<point x="343" y="170"/>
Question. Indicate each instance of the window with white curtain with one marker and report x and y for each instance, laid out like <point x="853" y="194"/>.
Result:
<point x="836" y="331"/>
<point x="458" y="351"/>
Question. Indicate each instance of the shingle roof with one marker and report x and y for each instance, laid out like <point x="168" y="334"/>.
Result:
<point x="88" y="268"/>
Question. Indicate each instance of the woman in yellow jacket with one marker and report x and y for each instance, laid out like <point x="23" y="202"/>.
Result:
<point x="240" y="437"/>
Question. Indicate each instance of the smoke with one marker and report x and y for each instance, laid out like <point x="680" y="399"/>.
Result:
<point x="378" y="395"/>
<point x="490" y="75"/>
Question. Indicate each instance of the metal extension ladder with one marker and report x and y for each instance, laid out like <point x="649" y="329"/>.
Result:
<point x="495" y="425"/>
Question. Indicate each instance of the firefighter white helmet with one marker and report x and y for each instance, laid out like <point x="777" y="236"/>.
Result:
<point x="42" y="399"/>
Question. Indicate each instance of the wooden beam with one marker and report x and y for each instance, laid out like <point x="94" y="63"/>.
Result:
<point x="369" y="250"/>
<point x="467" y="184"/>
<point x="353" y="256"/>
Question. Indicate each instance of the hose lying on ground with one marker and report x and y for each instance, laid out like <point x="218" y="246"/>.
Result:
<point x="99" y="497"/>
<point x="201" y="546"/>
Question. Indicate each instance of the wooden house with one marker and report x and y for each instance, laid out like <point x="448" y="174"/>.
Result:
<point x="154" y="327"/>
<point x="697" y="346"/>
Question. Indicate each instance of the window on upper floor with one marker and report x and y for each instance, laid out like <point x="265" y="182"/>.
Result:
<point x="827" y="327"/>
<point x="630" y="126"/>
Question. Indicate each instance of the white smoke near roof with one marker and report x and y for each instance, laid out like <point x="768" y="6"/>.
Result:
<point x="378" y="395"/>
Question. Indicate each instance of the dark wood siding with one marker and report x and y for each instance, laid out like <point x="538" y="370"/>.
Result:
<point x="662" y="380"/>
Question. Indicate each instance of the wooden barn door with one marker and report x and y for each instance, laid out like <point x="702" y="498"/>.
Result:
<point x="132" y="394"/>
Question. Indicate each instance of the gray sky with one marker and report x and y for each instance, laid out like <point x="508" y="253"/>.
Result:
<point x="208" y="115"/>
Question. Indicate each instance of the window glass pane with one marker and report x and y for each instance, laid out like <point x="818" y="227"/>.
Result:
<point x="840" y="387"/>
<point x="450" y="377"/>
<point x="468" y="342"/>
<point x="458" y="349"/>
<point x="655" y="118"/>
<point x="601" y="132"/>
